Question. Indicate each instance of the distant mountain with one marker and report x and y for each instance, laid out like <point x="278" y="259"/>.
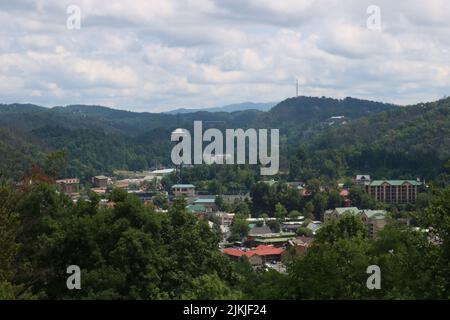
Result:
<point x="229" y="108"/>
<point x="407" y="142"/>
<point x="98" y="139"/>
<point x="302" y="117"/>
<point x="300" y="108"/>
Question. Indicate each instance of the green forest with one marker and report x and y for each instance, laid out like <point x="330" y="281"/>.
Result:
<point x="134" y="252"/>
<point x="98" y="140"/>
<point x="384" y="140"/>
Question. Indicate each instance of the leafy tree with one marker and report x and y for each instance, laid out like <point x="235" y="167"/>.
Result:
<point x="9" y="229"/>
<point x="239" y="227"/>
<point x="402" y="254"/>
<point x="309" y="210"/>
<point x="361" y="199"/>
<point x="436" y="219"/>
<point x="210" y="287"/>
<point x="118" y="195"/>
<point x="320" y="201"/>
<point x="55" y="163"/>
<point x="335" y="200"/>
<point x="129" y="252"/>
<point x="280" y="211"/>
<point x="294" y="214"/>
<point x="306" y="222"/>
<point x="242" y="208"/>
<point x="274" y="226"/>
<point x="331" y="271"/>
<point x="347" y="227"/>
<point x="302" y="231"/>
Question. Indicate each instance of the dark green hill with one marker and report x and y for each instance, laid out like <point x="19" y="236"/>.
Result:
<point x="339" y="137"/>
<point x="408" y="142"/>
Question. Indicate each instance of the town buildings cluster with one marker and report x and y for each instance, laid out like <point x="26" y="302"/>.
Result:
<point x="262" y="246"/>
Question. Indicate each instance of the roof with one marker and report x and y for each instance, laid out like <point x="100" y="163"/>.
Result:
<point x="101" y="177"/>
<point x="259" y="251"/>
<point x="376" y="183"/>
<point x="234" y="252"/>
<point x="314" y="226"/>
<point x="348" y="210"/>
<point x="68" y="181"/>
<point x="371" y="214"/>
<point x="292" y="223"/>
<point x="192" y="208"/>
<point x="205" y="200"/>
<point x="362" y="177"/>
<point x="267" y="250"/>
<point x="183" y="186"/>
<point x="304" y="240"/>
<point x="163" y="171"/>
<point x="375" y="214"/>
<point x="260" y="230"/>
<point x="271" y="182"/>
<point x="273" y="240"/>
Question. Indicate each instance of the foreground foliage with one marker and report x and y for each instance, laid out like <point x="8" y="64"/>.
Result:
<point x="134" y="252"/>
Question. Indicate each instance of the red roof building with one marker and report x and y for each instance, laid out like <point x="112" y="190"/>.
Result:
<point x="345" y="193"/>
<point x="258" y="256"/>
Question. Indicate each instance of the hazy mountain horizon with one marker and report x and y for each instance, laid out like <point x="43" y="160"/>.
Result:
<point x="261" y="106"/>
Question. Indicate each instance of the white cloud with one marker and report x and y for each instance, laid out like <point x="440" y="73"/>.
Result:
<point x="156" y="55"/>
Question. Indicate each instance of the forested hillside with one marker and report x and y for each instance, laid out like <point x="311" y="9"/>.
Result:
<point x="98" y="139"/>
<point x="319" y="137"/>
<point x="406" y="142"/>
<point x="133" y="252"/>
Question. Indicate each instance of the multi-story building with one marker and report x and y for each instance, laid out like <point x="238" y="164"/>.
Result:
<point x="338" y="212"/>
<point x="225" y="218"/>
<point x="100" y="181"/>
<point x="208" y="203"/>
<point x="69" y="186"/>
<point x="297" y="247"/>
<point x="374" y="220"/>
<point x="184" y="190"/>
<point x="362" y="179"/>
<point x="394" y="191"/>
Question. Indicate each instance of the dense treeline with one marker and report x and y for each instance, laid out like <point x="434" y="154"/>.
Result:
<point x="408" y="142"/>
<point x="379" y="139"/>
<point x="98" y="139"/>
<point x="266" y="198"/>
<point x="217" y="179"/>
<point x="133" y="252"/>
<point x="127" y="252"/>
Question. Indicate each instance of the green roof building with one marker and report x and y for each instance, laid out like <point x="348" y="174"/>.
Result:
<point x="196" y="208"/>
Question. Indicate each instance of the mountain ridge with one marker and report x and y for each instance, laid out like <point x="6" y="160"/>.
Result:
<point x="99" y="139"/>
<point x="260" y="106"/>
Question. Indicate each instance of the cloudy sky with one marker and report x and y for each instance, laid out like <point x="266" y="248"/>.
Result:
<point x="150" y="55"/>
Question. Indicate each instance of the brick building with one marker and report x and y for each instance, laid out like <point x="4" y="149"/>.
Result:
<point x="184" y="190"/>
<point x="100" y="181"/>
<point x="68" y="186"/>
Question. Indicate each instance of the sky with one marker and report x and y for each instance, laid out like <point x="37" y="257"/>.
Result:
<point x="148" y="55"/>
